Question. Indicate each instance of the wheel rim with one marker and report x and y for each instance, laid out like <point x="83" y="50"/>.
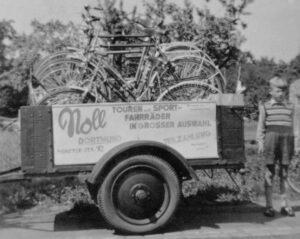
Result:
<point x="189" y="91"/>
<point x="62" y="73"/>
<point x="67" y="96"/>
<point x="140" y="195"/>
<point x="189" y="69"/>
<point x="194" y="70"/>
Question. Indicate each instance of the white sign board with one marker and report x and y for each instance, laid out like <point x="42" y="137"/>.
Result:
<point x="83" y="133"/>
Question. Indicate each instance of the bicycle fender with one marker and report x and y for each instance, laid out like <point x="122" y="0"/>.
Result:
<point x="173" y="45"/>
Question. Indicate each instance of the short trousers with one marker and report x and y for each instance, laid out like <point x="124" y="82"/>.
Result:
<point x="278" y="146"/>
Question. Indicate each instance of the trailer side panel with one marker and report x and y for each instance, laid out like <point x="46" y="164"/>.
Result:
<point x="36" y="138"/>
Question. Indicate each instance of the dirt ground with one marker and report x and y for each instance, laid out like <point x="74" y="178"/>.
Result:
<point x="190" y="221"/>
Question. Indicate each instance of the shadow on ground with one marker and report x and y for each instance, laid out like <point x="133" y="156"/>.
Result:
<point x="190" y="216"/>
<point x="81" y="217"/>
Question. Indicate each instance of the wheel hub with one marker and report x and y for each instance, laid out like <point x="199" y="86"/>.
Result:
<point x="140" y="193"/>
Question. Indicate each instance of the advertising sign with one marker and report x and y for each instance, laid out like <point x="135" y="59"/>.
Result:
<point x="84" y="133"/>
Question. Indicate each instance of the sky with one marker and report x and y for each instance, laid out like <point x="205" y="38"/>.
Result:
<point x="273" y="27"/>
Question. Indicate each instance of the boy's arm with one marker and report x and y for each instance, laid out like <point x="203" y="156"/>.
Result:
<point x="296" y="125"/>
<point x="261" y="128"/>
<point x="292" y="99"/>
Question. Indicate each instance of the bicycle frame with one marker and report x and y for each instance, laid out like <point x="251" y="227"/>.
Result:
<point x="142" y="81"/>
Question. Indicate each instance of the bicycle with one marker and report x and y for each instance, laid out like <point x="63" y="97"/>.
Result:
<point x="142" y="88"/>
<point x="293" y="179"/>
<point x="73" y="63"/>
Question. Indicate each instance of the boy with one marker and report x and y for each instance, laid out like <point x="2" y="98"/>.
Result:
<point x="275" y="142"/>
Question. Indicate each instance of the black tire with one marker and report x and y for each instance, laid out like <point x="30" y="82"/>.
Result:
<point x="190" y="68"/>
<point x="139" y="195"/>
<point x="188" y="91"/>
<point x="294" y="175"/>
<point x="67" y="96"/>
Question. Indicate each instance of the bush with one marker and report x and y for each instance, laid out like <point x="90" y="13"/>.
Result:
<point x="219" y="187"/>
<point x="11" y="100"/>
<point x="26" y="194"/>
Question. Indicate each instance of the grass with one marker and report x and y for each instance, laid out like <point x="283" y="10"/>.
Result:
<point x="222" y="189"/>
<point x="46" y="191"/>
<point x="9" y="149"/>
<point x="250" y="130"/>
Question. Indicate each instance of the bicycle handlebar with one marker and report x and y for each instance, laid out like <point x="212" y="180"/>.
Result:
<point x="88" y="8"/>
<point x="88" y="17"/>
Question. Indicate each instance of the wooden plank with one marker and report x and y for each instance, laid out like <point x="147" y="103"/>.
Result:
<point x="232" y="136"/>
<point x="36" y="139"/>
<point x="27" y="144"/>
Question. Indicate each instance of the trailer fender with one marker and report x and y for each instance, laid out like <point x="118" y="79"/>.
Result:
<point x="118" y="153"/>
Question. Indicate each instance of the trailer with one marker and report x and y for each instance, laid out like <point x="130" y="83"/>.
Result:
<point x="137" y="155"/>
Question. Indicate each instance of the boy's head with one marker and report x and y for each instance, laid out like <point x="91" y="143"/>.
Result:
<point x="278" y="88"/>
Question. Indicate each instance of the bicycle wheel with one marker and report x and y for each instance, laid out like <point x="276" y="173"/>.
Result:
<point x="189" y="91"/>
<point x="69" y="72"/>
<point x="64" y="72"/>
<point x="61" y="72"/>
<point x="43" y="63"/>
<point x="188" y="68"/>
<point x="67" y="96"/>
<point x="294" y="175"/>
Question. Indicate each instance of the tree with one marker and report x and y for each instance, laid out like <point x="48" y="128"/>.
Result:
<point x="7" y="34"/>
<point x="292" y="70"/>
<point x="256" y="79"/>
<point x="20" y="52"/>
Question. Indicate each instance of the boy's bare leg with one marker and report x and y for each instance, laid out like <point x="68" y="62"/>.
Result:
<point x="269" y="176"/>
<point x="286" y="209"/>
<point x="283" y="185"/>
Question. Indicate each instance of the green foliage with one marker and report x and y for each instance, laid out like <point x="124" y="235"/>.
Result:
<point x="9" y="149"/>
<point x="292" y="70"/>
<point x="26" y="194"/>
<point x="7" y="34"/>
<point x="255" y="75"/>
<point x="11" y="100"/>
<point x="256" y="78"/>
<point x="26" y="50"/>
<point x="20" y="52"/>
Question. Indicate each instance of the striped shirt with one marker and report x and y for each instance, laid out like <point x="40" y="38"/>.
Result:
<point x="280" y="114"/>
<point x="274" y="114"/>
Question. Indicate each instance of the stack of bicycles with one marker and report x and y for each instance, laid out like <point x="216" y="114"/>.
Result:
<point x="164" y="72"/>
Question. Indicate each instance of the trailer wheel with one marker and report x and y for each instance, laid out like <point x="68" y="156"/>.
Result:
<point x="139" y="195"/>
